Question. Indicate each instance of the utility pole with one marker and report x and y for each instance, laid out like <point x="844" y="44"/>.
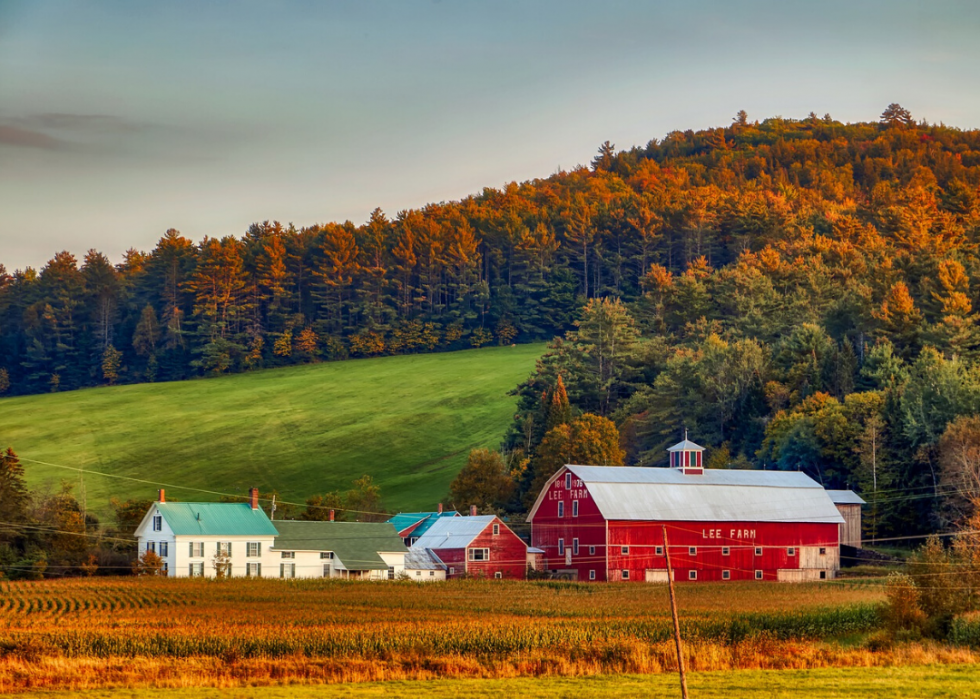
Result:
<point x="673" y="612"/>
<point x="272" y="511"/>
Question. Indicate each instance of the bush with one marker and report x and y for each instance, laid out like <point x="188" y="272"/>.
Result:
<point x="904" y="610"/>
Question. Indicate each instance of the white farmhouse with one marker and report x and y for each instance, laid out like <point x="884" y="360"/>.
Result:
<point x="197" y="538"/>
<point x="350" y="550"/>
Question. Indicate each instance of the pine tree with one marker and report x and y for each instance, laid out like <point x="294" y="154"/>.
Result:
<point x="4" y="381"/>
<point x="559" y="411"/>
<point x="111" y="359"/>
<point x="15" y="498"/>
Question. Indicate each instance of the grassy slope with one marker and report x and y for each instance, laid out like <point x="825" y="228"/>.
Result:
<point x="913" y="682"/>
<point x="408" y="421"/>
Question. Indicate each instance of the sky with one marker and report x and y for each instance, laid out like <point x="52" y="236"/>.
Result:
<point x="119" y="120"/>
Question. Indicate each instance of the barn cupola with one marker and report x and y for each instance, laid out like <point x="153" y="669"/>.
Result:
<point x="686" y="456"/>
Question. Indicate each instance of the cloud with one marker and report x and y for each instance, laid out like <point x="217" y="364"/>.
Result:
<point x="26" y="138"/>
<point x="78" y="122"/>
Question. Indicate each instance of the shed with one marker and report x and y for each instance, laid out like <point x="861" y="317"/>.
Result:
<point x="479" y="546"/>
<point x="849" y="505"/>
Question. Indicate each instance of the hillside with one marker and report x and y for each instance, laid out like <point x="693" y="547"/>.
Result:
<point x="408" y="421"/>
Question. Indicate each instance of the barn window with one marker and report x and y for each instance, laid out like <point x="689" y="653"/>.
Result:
<point x="626" y="575"/>
<point x="758" y="575"/>
<point x="164" y="549"/>
<point x="561" y="547"/>
<point x="498" y="575"/>
<point x="659" y="550"/>
<point x="288" y="554"/>
<point x="574" y="508"/>
<point x="726" y="575"/>
<point x="823" y="551"/>
<point x="253" y="549"/>
<point x="452" y="570"/>
<point x="823" y="574"/>
<point x="758" y="550"/>
<point x="791" y="551"/>
<point x="692" y="550"/>
<point x="568" y="481"/>
<point x="561" y="509"/>
<point x="432" y="574"/>
<point x="326" y="554"/>
<point x="496" y="529"/>
<point x="575" y="546"/>
<point x="479" y="554"/>
<point x="692" y="575"/>
<point x="725" y="551"/>
<point x="418" y="573"/>
<point x="592" y="550"/>
<point x="157" y="523"/>
<point x="591" y="575"/>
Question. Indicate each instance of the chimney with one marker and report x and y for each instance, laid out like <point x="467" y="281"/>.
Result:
<point x="472" y="510"/>
<point x="161" y="497"/>
<point x="438" y="509"/>
<point x="253" y="494"/>
<point x="331" y="515"/>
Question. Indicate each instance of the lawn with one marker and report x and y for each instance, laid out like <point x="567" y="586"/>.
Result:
<point x="408" y="421"/>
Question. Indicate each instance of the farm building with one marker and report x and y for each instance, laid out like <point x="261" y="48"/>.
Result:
<point x="412" y="525"/>
<point x="350" y="550"/>
<point x="196" y="538"/>
<point x="476" y="546"/>
<point x="849" y="505"/>
<point x="424" y="566"/>
<point x="606" y="523"/>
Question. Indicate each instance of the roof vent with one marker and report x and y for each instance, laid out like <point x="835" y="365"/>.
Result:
<point x="686" y="456"/>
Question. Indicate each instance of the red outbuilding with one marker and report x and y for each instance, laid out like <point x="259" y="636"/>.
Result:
<point x="476" y="546"/>
<point x="607" y="523"/>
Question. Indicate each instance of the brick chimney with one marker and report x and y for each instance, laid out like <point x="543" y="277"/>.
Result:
<point x="331" y="515"/>
<point x="160" y="496"/>
<point x="253" y="495"/>
<point x="438" y="509"/>
<point x="472" y="510"/>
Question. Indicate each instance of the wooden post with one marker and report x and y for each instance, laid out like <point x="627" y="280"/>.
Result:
<point x="673" y="612"/>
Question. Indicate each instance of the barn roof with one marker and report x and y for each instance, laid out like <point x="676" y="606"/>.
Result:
<point x="417" y="523"/>
<point x="356" y="544"/>
<point x="637" y="493"/>
<point x="215" y="519"/>
<point x="453" y="532"/>
<point x="845" y="497"/>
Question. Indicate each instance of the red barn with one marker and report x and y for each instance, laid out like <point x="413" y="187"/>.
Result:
<point x="476" y="546"/>
<point x="606" y="523"/>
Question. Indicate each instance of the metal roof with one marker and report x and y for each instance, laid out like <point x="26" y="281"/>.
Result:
<point x="215" y="519"/>
<point x="686" y="445"/>
<point x="356" y="544"/>
<point x="453" y="532"/>
<point x="422" y="559"/>
<point x="846" y="497"/>
<point x="422" y="521"/>
<point x="716" y="495"/>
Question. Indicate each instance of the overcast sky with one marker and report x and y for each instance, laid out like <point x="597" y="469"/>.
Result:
<point x="120" y="120"/>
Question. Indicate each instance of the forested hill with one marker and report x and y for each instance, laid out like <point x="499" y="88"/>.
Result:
<point x="864" y="229"/>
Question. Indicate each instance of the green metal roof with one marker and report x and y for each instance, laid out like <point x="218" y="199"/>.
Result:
<point x="216" y="519"/>
<point x="356" y="544"/>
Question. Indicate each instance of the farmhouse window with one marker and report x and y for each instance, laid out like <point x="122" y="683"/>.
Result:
<point x="823" y="551"/>
<point x="626" y="575"/>
<point x="287" y="570"/>
<point x="253" y="570"/>
<point x="575" y="547"/>
<point x="326" y="570"/>
<point x="164" y="549"/>
<point x="288" y="554"/>
<point x="692" y="575"/>
<point x="725" y="551"/>
<point x="659" y="550"/>
<point x="197" y="570"/>
<point x="197" y="549"/>
<point x="224" y="548"/>
<point x="432" y="574"/>
<point x="391" y="572"/>
<point x="726" y="575"/>
<point x="326" y="555"/>
<point x="561" y="509"/>
<point x="591" y="575"/>
<point x="479" y="554"/>
<point x="561" y="547"/>
<point x="692" y="550"/>
<point x="791" y="551"/>
<point x="498" y="575"/>
<point x="151" y="546"/>
<point x="592" y="550"/>
<point x="253" y="549"/>
<point x="758" y="550"/>
<point x="574" y="508"/>
<point x="758" y="575"/>
<point x="157" y="523"/>
<point x="568" y="481"/>
<point x="496" y="529"/>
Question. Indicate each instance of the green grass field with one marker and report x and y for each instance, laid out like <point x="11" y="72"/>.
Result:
<point x="911" y="682"/>
<point x="408" y="421"/>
